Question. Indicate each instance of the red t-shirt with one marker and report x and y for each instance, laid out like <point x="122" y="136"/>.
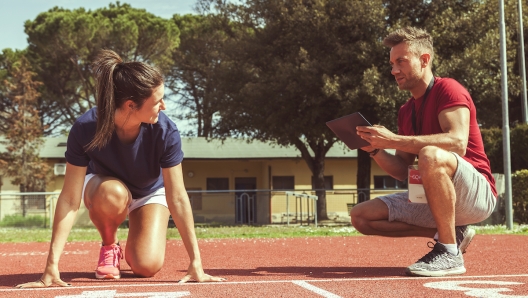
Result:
<point x="447" y="93"/>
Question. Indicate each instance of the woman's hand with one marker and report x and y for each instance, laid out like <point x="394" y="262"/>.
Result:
<point x="196" y="273"/>
<point x="47" y="279"/>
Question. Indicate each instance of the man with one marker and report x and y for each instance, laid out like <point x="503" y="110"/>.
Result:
<point x="437" y="125"/>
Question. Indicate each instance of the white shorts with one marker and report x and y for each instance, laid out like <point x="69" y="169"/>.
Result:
<point x="157" y="197"/>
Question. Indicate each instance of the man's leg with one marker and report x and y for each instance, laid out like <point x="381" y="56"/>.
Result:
<point x="372" y="218"/>
<point x="437" y="168"/>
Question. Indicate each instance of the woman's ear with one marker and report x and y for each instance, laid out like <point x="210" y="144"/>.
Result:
<point x="129" y="105"/>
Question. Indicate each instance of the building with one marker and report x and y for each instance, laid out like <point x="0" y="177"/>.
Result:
<point x="240" y="182"/>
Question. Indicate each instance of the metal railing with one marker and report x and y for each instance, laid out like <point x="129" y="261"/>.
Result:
<point x="228" y="207"/>
<point x="310" y="200"/>
<point x="30" y="209"/>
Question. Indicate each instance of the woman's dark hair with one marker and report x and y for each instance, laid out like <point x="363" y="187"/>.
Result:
<point x="116" y="82"/>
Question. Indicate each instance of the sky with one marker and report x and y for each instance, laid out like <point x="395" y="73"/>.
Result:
<point x="13" y="14"/>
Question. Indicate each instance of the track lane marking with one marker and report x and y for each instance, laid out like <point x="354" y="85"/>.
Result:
<point x="113" y="293"/>
<point x="315" y="289"/>
<point x="464" y="286"/>
<point x="271" y="282"/>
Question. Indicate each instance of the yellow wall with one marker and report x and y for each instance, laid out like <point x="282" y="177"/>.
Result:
<point x="220" y="207"/>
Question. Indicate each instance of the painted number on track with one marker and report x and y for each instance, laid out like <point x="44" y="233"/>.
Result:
<point x="113" y="293"/>
<point x="476" y="292"/>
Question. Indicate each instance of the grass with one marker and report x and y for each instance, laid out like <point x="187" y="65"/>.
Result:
<point x="11" y="235"/>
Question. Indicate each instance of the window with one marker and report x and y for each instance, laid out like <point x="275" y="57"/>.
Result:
<point x="388" y="182"/>
<point x="217" y="183"/>
<point x="195" y="197"/>
<point x="328" y="182"/>
<point x="283" y="182"/>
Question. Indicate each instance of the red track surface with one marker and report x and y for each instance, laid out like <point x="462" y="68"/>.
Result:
<point x="355" y="266"/>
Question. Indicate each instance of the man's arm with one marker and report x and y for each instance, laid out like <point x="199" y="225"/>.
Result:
<point x="395" y="164"/>
<point x="454" y="122"/>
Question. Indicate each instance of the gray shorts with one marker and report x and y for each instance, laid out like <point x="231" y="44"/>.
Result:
<point x="475" y="200"/>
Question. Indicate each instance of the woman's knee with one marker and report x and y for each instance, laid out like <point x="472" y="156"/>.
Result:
<point x="146" y="266"/>
<point x="107" y="193"/>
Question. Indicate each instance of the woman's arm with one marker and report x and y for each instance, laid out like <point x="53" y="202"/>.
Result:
<point x="180" y="209"/>
<point x="65" y="212"/>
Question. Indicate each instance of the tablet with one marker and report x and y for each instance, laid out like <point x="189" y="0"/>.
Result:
<point x="345" y="129"/>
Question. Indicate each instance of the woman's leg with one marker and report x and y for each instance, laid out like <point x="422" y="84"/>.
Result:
<point x="147" y="234"/>
<point x="107" y="201"/>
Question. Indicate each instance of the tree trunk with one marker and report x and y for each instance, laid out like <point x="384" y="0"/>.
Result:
<point x="316" y="165"/>
<point x="363" y="176"/>
<point x="319" y="184"/>
<point x="22" y="188"/>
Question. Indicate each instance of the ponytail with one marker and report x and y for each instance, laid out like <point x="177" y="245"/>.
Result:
<point x="116" y="82"/>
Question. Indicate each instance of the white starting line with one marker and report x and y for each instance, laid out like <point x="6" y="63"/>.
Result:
<point x="450" y="283"/>
<point x="41" y="253"/>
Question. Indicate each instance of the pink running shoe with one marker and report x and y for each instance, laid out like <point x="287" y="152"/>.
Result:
<point x="108" y="266"/>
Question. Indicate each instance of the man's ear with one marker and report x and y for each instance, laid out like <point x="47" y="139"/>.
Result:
<point x="425" y="59"/>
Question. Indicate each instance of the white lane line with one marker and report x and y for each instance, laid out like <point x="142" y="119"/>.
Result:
<point x="40" y="253"/>
<point x="465" y="286"/>
<point x="113" y="293"/>
<point x="269" y="281"/>
<point x="315" y="289"/>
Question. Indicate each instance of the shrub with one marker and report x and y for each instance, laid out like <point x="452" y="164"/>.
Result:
<point x="492" y="139"/>
<point x="18" y="220"/>
<point x="520" y="196"/>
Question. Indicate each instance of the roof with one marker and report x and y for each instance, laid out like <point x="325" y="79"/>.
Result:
<point x="201" y="148"/>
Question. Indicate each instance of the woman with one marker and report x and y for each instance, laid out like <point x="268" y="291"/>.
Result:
<point x="124" y="158"/>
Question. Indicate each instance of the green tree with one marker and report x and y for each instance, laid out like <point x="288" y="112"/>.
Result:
<point x="202" y="73"/>
<point x="305" y="62"/>
<point x="471" y="56"/>
<point x="63" y="43"/>
<point x="24" y="130"/>
<point x="466" y="41"/>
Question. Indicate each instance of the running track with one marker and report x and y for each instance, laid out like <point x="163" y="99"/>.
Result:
<point x="349" y="266"/>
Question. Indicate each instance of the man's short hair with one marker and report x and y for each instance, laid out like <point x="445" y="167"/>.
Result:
<point x="418" y="40"/>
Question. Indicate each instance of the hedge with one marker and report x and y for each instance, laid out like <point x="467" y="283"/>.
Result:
<point x="492" y="139"/>
<point x="520" y="196"/>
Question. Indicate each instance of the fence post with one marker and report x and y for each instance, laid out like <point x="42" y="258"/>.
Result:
<point x="51" y="209"/>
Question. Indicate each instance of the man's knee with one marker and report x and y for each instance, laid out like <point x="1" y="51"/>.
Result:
<point x="434" y="159"/>
<point x="356" y="218"/>
<point x="363" y="213"/>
